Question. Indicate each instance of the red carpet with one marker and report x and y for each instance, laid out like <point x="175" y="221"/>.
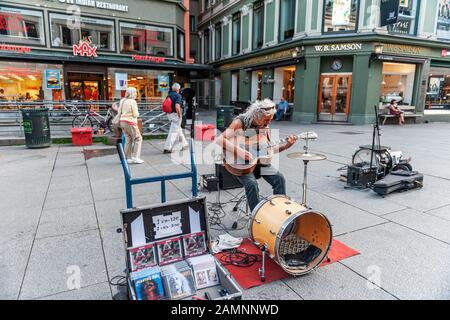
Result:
<point x="248" y="277"/>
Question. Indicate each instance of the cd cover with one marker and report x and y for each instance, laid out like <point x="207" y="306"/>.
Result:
<point x="148" y="285"/>
<point x="180" y="284"/>
<point x="169" y="251"/>
<point x="194" y="244"/>
<point x="142" y="257"/>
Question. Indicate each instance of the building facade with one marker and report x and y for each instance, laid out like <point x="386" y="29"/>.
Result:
<point x="330" y="59"/>
<point x="93" y="50"/>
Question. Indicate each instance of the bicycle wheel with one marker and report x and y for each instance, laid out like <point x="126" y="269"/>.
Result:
<point x="362" y="158"/>
<point x="81" y="121"/>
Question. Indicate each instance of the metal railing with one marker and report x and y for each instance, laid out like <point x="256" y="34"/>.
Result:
<point x="62" y="113"/>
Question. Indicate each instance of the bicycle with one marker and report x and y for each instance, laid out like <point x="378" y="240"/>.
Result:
<point x="94" y="120"/>
<point x="59" y="114"/>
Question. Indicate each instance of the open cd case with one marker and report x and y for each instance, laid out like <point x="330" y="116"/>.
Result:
<point x="168" y="254"/>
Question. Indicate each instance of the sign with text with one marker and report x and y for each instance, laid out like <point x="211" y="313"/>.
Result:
<point x="167" y="225"/>
<point x="121" y="81"/>
<point x="16" y="49"/>
<point x="338" y="47"/>
<point x="163" y="83"/>
<point x="85" y="48"/>
<point x="97" y="4"/>
<point x="388" y="12"/>
<point x="147" y="58"/>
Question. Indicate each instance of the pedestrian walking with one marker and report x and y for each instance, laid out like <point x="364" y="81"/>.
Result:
<point x="175" y="118"/>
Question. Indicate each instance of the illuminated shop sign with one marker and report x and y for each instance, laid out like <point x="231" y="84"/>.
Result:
<point x="98" y="4"/>
<point x="16" y="49"/>
<point x="147" y="58"/>
<point x="85" y="48"/>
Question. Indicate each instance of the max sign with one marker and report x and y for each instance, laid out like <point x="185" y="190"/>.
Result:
<point x="85" y="48"/>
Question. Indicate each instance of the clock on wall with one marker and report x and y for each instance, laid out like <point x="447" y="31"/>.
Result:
<point x="336" y="65"/>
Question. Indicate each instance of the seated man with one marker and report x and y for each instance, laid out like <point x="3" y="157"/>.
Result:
<point x="257" y="117"/>
<point x="282" y="108"/>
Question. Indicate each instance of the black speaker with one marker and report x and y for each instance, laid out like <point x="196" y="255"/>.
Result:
<point x="226" y="179"/>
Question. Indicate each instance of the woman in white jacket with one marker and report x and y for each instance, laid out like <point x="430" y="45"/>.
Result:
<point x="129" y="114"/>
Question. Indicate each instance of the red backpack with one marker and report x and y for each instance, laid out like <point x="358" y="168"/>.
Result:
<point x="167" y="105"/>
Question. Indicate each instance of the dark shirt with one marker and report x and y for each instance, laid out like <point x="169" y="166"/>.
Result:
<point x="176" y="98"/>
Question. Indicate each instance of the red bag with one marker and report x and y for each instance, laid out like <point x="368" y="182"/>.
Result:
<point x="167" y="105"/>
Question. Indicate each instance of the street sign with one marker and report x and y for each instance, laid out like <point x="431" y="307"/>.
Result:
<point x="388" y="12"/>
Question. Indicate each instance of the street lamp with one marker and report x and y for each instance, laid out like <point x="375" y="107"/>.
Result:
<point x="378" y="50"/>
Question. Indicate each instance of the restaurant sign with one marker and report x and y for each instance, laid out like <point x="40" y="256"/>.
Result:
<point x="85" y="48"/>
<point x="147" y="58"/>
<point x="97" y="4"/>
<point x="16" y="49"/>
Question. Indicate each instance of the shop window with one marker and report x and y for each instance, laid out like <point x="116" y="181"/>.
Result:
<point x="31" y="81"/>
<point x="398" y="83"/>
<point x="99" y="31"/>
<point x="256" y="85"/>
<point x="407" y="17"/>
<point x="145" y="82"/>
<point x="181" y="45"/>
<point x="287" y="19"/>
<point x="340" y="15"/>
<point x="206" y="46"/>
<point x="438" y="93"/>
<point x="192" y="27"/>
<point x="218" y="42"/>
<point x="236" y="34"/>
<point x="443" y="20"/>
<point x="284" y="84"/>
<point x="20" y="26"/>
<point x="258" y="25"/>
<point x="146" y="39"/>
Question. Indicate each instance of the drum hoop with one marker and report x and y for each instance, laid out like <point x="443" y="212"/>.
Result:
<point x="256" y="209"/>
<point x="277" y="242"/>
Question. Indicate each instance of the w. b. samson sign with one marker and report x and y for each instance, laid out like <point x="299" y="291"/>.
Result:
<point x="388" y="12"/>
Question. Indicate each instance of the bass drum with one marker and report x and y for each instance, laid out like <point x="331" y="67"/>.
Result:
<point x="296" y="237"/>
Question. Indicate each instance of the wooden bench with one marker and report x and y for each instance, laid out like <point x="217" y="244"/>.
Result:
<point x="409" y="112"/>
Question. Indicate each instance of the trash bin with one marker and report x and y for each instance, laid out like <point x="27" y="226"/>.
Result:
<point x="36" y="127"/>
<point x="225" y="115"/>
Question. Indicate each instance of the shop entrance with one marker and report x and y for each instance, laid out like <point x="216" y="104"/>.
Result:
<point x="85" y="86"/>
<point x="334" y="97"/>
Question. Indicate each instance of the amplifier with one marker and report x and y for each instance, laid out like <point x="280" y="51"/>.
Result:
<point x="361" y="176"/>
<point x="209" y="182"/>
<point x="226" y="179"/>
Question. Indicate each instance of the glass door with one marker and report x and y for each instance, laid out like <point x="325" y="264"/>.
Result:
<point x="334" y="97"/>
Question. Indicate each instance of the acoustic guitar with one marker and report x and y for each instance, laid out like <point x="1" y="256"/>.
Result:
<point x="257" y="145"/>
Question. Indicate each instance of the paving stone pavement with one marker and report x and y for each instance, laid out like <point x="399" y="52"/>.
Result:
<point x="60" y="214"/>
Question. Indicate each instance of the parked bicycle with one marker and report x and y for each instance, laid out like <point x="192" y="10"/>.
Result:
<point x="68" y="109"/>
<point x="94" y="120"/>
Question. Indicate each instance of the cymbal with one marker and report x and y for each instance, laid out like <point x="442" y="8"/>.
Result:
<point x="307" y="156"/>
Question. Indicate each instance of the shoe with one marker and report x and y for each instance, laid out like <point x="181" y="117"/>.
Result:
<point x="130" y="161"/>
<point x="138" y="161"/>
<point x="185" y="147"/>
<point x="167" y="151"/>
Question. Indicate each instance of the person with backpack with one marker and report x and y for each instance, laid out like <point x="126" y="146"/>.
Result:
<point x="172" y="106"/>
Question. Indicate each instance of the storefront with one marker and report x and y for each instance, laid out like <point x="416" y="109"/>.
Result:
<point x="93" y="54"/>
<point x="438" y="93"/>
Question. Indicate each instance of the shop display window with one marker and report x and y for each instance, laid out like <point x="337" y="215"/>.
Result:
<point x="340" y="15"/>
<point x="20" y="81"/>
<point x="438" y="92"/>
<point x="20" y="26"/>
<point x="146" y="39"/>
<point x="145" y="82"/>
<point x="67" y="31"/>
<point x="284" y="85"/>
<point x="398" y="83"/>
<point x="407" y="16"/>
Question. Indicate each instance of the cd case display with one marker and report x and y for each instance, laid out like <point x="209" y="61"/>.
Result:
<point x="194" y="244"/>
<point x="178" y="280"/>
<point x="148" y="284"/>
<point x="142" y="257"/>
<point x="169" y="251"/>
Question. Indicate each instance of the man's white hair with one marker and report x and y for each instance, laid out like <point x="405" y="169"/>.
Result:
<point x="176" y="86"/>
<point x="260" y="109"/>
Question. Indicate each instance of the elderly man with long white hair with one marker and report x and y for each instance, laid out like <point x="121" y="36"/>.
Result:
<point x="255" y="123"/>
<point x="129" y="114"/>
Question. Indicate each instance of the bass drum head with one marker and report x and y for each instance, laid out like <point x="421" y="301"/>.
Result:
<point x="303" y="242"/>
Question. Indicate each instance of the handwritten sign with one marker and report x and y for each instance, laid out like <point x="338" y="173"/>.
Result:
<point x="166" y="225"/>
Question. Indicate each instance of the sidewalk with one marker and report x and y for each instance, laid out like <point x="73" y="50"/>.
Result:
<point x="59" y="210"/>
